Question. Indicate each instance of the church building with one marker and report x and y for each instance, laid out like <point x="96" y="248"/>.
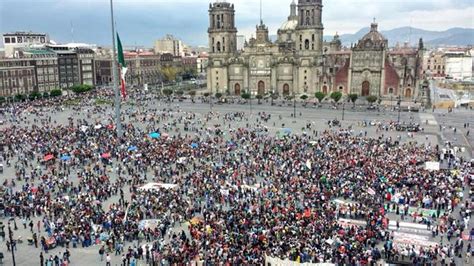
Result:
<point x="301" y="62"/>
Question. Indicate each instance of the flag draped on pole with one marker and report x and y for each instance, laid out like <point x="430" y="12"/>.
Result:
<point x="123" y="65"/>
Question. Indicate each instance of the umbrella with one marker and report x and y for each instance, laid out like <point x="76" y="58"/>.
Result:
<point x="132" y="148"/>
<point x="154" y="135"/>
<point x="287" y="131"/>
<point x="65" y="158"/>
<point x="106" y="155"/>
<point x="48" y="157"/>
<point x="194" y="145"/>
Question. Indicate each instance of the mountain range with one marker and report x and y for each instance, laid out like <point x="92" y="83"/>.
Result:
<point x="450" y="37"/>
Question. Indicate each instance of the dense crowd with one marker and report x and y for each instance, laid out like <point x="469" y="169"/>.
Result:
<point x="236" y="197"/>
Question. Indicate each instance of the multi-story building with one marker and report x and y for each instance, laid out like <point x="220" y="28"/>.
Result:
<point x="169" y="44"/>
<point x="142" y="69"/>
<point x="458" y="64"/>
<point x="76" y="65"/>
<point x="15" y="41"/>
<point x="202" y="62"/>
<point x="17" y="77"/>
<point x="46" y="68"/>
<point x="300" y="62"/>
<point x="434" y="64"/>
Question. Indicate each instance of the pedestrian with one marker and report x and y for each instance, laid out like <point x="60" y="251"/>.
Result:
<point x="108" y="260"/>
<point x="41" y="259"/>
<point x="101" y="253"/>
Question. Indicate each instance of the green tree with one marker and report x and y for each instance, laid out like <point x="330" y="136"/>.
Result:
<point x="259" y="98"/>
<point x="206" y="94"/>
<point x="320" y="96"/>
<point x="56" y="93"/>
<point x="304" y="97"/>
<point x="179" y="92"/>
<point x="218" y="95"/>
<point x="45" y="94"/>
<point x="2" y="99"/>
<point x="192" y="94"/>
<point x="245" y="95"/>
<point x="34" y="95"/>
<point x="78" y="89"/>
<point x="170" y="73"/>
<point x="371" y="99"/>
<point x="167" y="92"/>
<point x="20" y="97"/>
<point x="353" y="98"/>
<point x="336" y="96"/>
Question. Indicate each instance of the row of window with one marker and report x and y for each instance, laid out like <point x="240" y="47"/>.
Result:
<point x="21" y="39"/>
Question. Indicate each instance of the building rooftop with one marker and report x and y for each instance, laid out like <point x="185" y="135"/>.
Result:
<point x="27" y="33"/>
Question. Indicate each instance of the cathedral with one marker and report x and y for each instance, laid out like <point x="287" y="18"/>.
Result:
<point x="300" y="62"/>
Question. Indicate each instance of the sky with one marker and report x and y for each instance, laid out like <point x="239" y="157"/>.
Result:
<point x="140" y="22"/>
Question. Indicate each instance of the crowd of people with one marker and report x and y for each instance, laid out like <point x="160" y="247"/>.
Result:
<point x="238" y="194"/>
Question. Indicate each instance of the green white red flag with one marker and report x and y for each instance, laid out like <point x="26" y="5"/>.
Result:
<point x="123" y="65"/>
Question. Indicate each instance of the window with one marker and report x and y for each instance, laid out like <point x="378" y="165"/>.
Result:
<point x="7" y="40"/>
<point x="13" y="40"/>
<point x="306" y="44"/>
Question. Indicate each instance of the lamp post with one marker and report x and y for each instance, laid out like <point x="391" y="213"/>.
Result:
<point x="250" y="101"/>
<point x="10" y="235"/>
<point x="399" y="107"/>
<point x="343" y="109"/>
<point x="294" y="106"/>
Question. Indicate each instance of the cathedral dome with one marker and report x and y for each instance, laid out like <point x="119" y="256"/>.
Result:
<point x="289" y="25"/>
<point x="373" y="39"/>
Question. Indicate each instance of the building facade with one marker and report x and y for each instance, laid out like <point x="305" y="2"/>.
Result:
<point x="300" y="62"/>
<point x="17" y="77"/>
<point x="14" y="41"/>
<point x="169" y="44"/>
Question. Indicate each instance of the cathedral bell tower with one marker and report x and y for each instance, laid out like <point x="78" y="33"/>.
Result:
<point x="222" y="31"/>
<point x="310" y="27"/>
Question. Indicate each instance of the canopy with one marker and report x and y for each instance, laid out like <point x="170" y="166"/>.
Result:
<point x="194" y="145"/>
<point x="154" y="135"/>
<point x="65" y="158"/>
<point x="157" y="186"/>
<point x="106" y="155"/>
<point x="48" y="157"/>
<point x="132" y="148"/>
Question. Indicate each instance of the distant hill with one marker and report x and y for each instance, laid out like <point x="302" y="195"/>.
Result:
<point x="453" y="36"/>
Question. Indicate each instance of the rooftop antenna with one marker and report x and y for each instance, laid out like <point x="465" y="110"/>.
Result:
<point x="72" y="32"/>
<point x="411" y="31"/>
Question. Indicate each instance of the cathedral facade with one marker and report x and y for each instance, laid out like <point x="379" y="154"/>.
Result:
<point x="300" y="62"/>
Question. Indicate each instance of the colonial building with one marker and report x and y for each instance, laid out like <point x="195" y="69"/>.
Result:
<point x="16" y="77"/>
<point x="300" y="62"/>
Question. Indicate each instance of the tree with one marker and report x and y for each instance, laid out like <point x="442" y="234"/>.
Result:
<point x="192" y="94"/>
<point x="81" y="88"/>
<point x="167" y="92"/>
<point x="336" y="96"/>
<point x="218" y="95"/>
<point x="304" y="97"/>
<point x="2" y="99"/>
<point x="20" y="97"/>
<point x="169" y="73"/>
<point x="320" y="96"/>
<point x="371" y="99"/>
<point x="56" y="93"/>
<point x="34" y="95"/>
<point x="245" y="96"/>
<point x="353" y="98"/>
<point x="179" y="92"/>
<point x="259" y="98"/>
<point x="45" y="94"/>
<point x="206" y="94"/>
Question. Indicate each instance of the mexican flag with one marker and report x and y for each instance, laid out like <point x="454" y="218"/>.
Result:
<point x="123" y="65"/>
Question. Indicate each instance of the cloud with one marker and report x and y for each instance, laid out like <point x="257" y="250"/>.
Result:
<point x="143" y="21"/>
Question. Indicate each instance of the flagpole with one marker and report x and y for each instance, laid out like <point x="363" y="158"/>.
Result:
<point x="118" y="121"/>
